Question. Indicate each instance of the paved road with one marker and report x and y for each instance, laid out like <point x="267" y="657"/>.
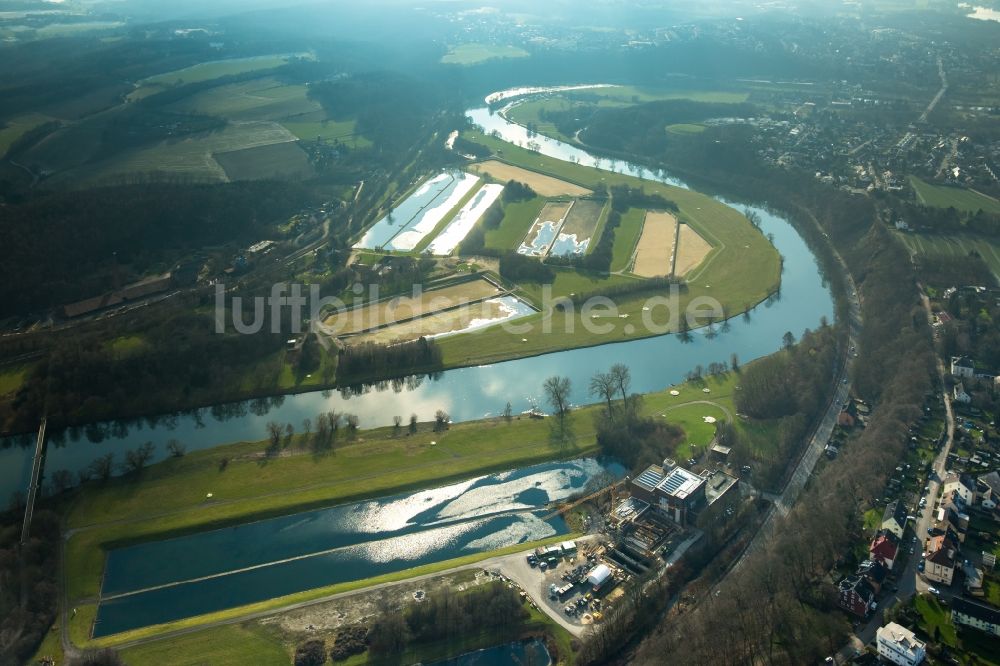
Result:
<point x="910" y="581"/>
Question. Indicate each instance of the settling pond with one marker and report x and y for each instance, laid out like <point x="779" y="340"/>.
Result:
<point x="161" y="581"/>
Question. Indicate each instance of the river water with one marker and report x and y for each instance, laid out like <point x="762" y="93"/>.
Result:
<point x="160" y="581"/>
<point x="477" y="392"/>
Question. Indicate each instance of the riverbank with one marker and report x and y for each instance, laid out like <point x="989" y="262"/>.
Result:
<point x="171" y="498"/>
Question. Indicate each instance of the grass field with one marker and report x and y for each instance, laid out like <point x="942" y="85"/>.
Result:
<point x="655" y="252"/>
<point x="191" y="156"/>
<point x="940" y="196"/>
<point x="569" y="281"/>
<point x="626" y="237"/>
<point x="518" y="218"/>
<point x="207" y="71"/>
<point x="13" y="376"/>
<point x="685" y="128"/>
<point x="227" y="645"/>
<point x="691" y="251"/>
<point x="742" y="270"/>
<point x="277" y="160"/>
<point x="956" y="246"/>
<point x="13" y="129"/>
<point x="329" y="131"/>
<point x="260" y="99"/>
<point x="472" y="54"/>
<point x="545" y="186"/>
<point x="405" y="307"/>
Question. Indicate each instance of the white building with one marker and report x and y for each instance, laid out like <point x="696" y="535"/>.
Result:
<point x="963" y="366"/>
<point x="899" y="645"/>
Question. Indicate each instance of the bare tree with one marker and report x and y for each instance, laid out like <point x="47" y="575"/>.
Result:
<point x="397" y="421"/>
<point x="136" y="459"/>
<point x="274" y="431"/>
<point x="413" y="424"/>
<point x="103" y="467"/>
<point x="175" y="448"/>
<point x="441" y="420"/>
<point x="507" y="412"/>
<point x="603" y="385"/>
<point x="622" y="377"/>
<point x="557" y="391"/>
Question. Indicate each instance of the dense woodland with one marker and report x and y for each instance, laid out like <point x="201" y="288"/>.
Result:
<point x="28" y="589"/>
<point x="71" y="245"/>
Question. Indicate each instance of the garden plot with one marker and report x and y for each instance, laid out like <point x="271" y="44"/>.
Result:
<point x="655" y="251"/>
<point x="405" y="226"/>
<point x="408" y="307"/>
<point x="691" y="252"/>
<point x="545" y="229"/>
<point x="579" y="228"/>
<point x="464" y="220"/>
<point x="463" y="319"/>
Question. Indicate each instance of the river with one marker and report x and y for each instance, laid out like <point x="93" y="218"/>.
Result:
<point x="477" y="392"/>
<point x="166" y="580"/>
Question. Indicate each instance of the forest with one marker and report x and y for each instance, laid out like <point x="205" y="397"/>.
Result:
<point x="75" y="245"/>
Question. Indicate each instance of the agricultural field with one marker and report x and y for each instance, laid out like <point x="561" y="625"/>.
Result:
<point x="260" y="99"/>
<point x="578" y="229"/>
<point x="543" y="185"/>
<point x="473" y="54"/>
<point x="465" y="219"/>
<point x="441" y="323"/>
<point x="545" y="229"/>
<point x="277" y="160"/>
<point x="13" y="129"/>
<point x="406" y="307"/>
<point x="940" y="196"/>
<point x="328" y="131"/>
<point x="207" y="71"/>
<point x="518" y="218"/>
<point x="956" y="246"/>
<point x="685" y="128"/>
<point x="691" y="251"/>
<point x="626" y="238"/>
<point x="191" y="156"/>
<point x="654" y="255"/>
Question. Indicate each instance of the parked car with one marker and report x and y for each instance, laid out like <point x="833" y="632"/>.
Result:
<point x="934" y="590"/>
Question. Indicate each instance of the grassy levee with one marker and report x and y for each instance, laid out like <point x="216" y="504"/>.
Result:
<point x="741" y="270"/>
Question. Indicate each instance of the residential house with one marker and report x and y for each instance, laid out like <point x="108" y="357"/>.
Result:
<point x="988" y="490"/>
<point x="939" y="563"/>
<point x="963" y="366"/>
<point x="959" y="394"/>
<point x="856" y="595"/>
<point x="875" y="573"/>
<point x="961" y="484"/>
<point x="899" y="645"/>
<point x="884" y="548"/>
<point x="949" y="521"/>
<point x="981" y="616"/>
<point x="894" y="518"/>
<point x="973" y="579"/>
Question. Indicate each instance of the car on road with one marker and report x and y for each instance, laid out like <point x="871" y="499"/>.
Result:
<point x="920" y="566"/>
<point x="934" y="590"/>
